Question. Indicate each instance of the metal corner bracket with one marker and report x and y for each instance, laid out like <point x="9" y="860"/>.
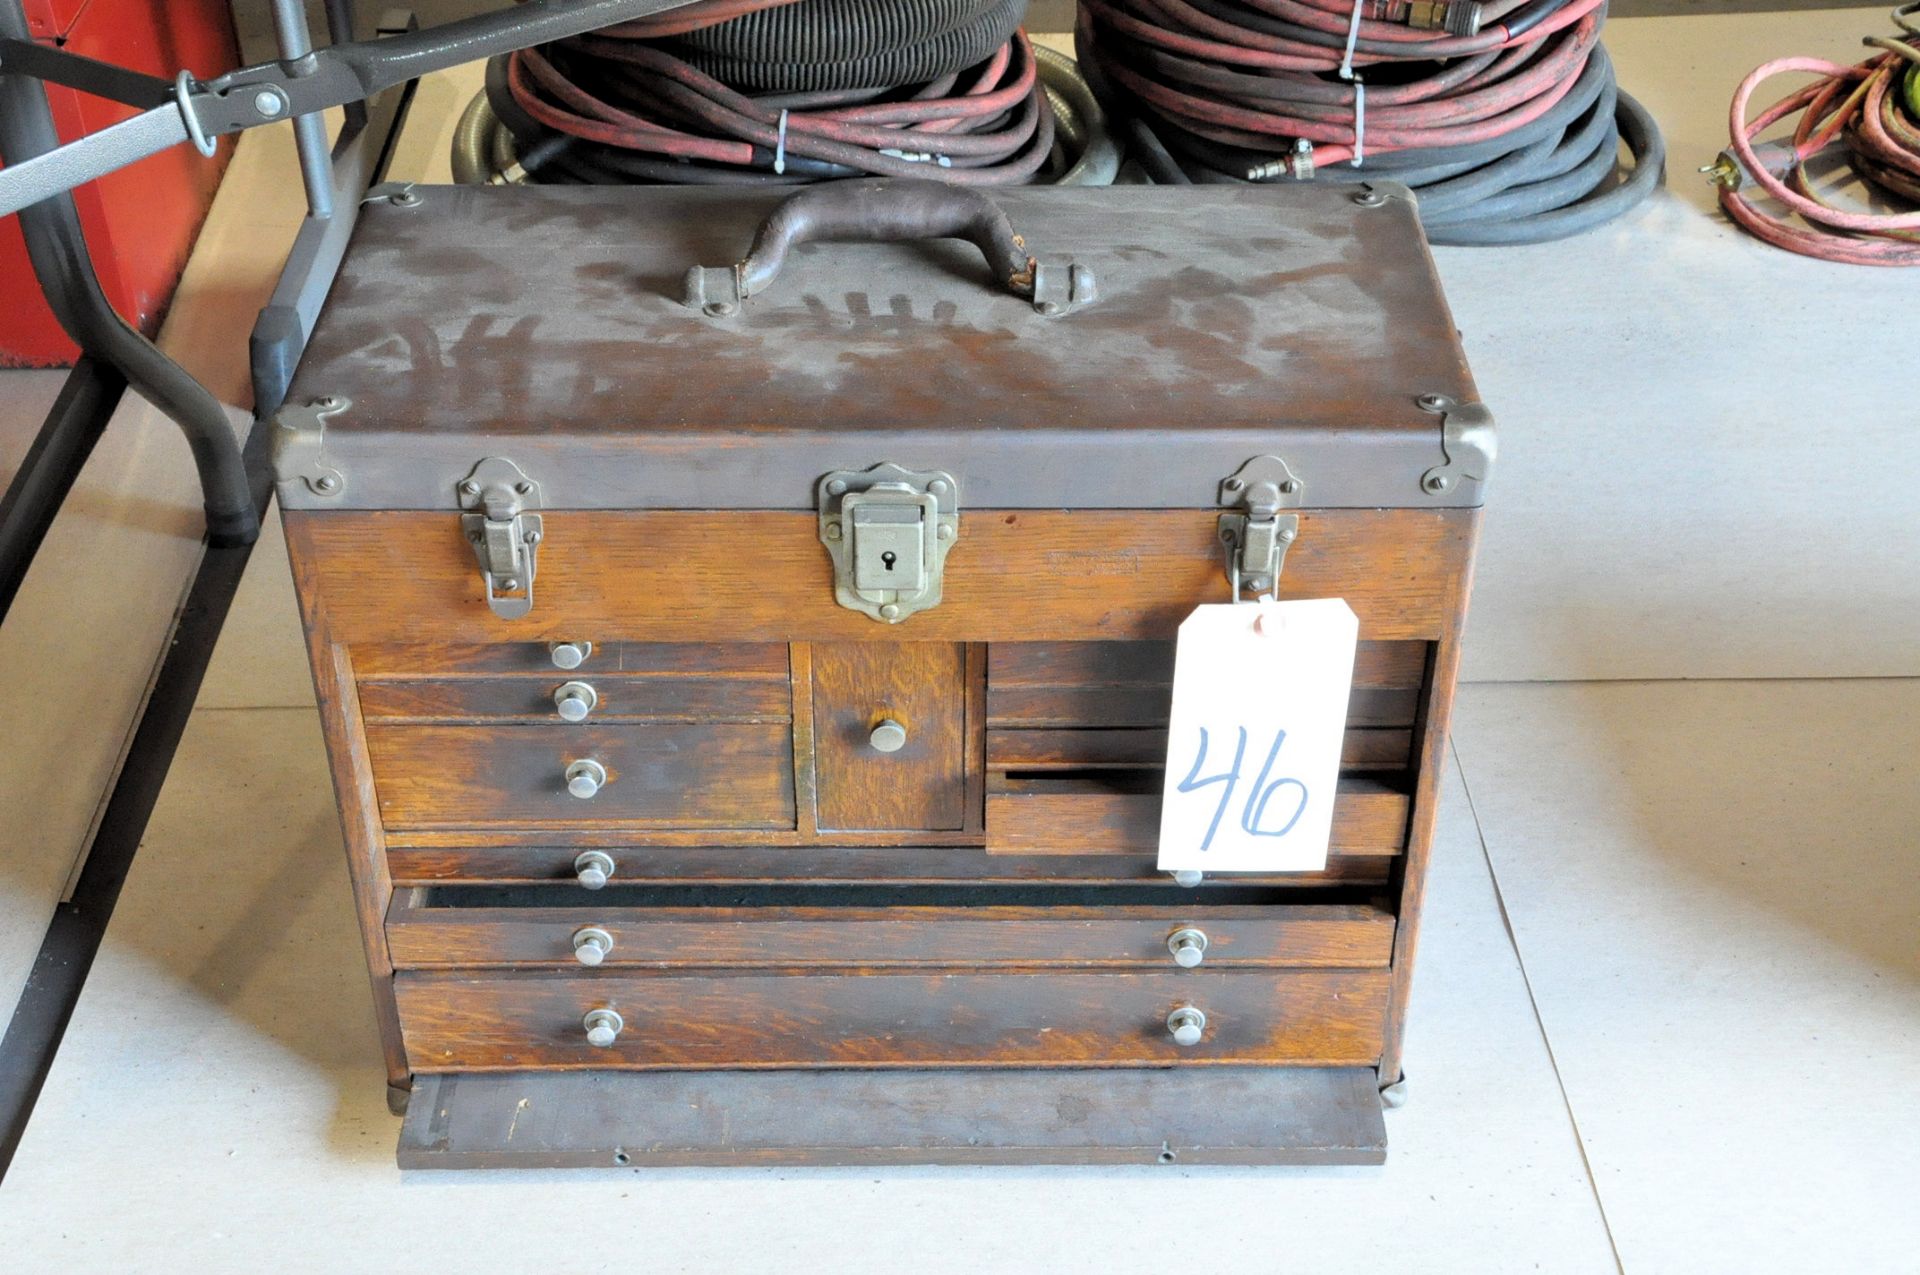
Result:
<point x="887" y="530"/>
<point x="300" y="444"/>
<point x="1467" y="440"/>
<point x="504" y="531"/>
<point x="1257" y="535"/>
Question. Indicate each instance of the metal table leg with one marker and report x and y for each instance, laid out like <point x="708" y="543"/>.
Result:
<point x="51" y="465"/>
<point x="359" y="160"/>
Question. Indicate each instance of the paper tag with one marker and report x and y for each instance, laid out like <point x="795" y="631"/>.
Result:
<point x="1253" y="746"/>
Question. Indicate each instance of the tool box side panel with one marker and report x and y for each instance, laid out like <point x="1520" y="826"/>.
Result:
<point x="360" y="829"/>
<point x="1410" y="881"/>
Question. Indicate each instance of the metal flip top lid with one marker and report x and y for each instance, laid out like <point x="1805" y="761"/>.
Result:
<point x="1125" y="347"/>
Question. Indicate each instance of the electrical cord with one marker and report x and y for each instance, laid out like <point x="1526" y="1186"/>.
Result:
<point x="752" y="92"/>
<point x="1868" y="112"/>
<point x="1503" y="118"/>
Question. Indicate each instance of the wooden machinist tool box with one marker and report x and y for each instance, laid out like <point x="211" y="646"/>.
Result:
<point x="746" y="675"/>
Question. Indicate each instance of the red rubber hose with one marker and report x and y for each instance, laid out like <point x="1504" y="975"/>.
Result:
<point x="1851" y="103"/>
<point x="988" y="125"/>
<point x="1246" y="86"/>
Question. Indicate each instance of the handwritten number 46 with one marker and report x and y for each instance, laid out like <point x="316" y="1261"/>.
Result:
<point x="1254" y="815"/>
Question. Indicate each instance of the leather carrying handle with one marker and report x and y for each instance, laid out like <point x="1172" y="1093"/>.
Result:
<point x="887" y="210"/>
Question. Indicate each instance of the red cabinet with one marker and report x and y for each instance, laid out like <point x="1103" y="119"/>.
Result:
<point x="141" y="221"/>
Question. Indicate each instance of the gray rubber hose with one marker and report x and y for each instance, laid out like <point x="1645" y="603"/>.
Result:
<point x="1080" y="120"/>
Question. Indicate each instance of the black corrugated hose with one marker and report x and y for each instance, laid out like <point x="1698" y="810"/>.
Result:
<point x="825" y="45"/>
<point x="782" y="91"/>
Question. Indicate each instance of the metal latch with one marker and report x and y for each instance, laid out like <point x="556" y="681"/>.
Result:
<point x="503" y="531"/>
<point x="888" y="530"/>
<point x="1258" y="535"/>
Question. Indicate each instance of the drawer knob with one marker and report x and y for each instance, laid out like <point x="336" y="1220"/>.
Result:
<point x="1188" y="877"/>
<point x="575" y="700"/>
<point x="1189" y="947"/>
<point x="591" y="944"/>
<point x="888" y="737"/>
<point x="593" y="868"/>
<point x="1187" y="1024"/>
<point x="569" y="655"/>
<point x="603" y="1027"/>
<point x="585" y="777"/>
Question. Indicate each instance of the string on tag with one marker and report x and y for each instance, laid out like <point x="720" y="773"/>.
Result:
<point x="1348" y="74"/>
<point x="780" y="147"/>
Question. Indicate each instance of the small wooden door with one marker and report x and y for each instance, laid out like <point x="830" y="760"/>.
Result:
<point x="860" y="688"/>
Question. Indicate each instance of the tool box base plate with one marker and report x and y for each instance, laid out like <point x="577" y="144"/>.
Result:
<point x="607" y="1119"/>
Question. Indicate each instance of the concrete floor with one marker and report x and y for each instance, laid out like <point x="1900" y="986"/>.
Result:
<point x="1669" y="979"/>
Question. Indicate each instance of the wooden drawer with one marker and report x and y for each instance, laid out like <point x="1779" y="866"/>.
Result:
<point x="464" y="858"/>
<point x="1121" y="816"/>
<point x="1081" y="685"/>
<point x="1076" y="745"/>
<point x="506" y="1021"/>
<point x="919" y="688"/>
<point x="705" y="775"/>
<point x="749" y="661"/>
<point x="623" y="681"/>
<point x="616" y="697"/>
<point x="812" y="926"/>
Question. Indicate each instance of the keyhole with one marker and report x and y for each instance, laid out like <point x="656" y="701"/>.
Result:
<point x="887" y="559"/>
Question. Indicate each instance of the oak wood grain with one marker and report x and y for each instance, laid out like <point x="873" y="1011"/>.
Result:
<point x="1073" y="816"/>
<point x="1319" y="935"/>
<point x="503" y="1021"/>
<point x="367" y="869"/>
<point x="1411" y="877"/>
<point x="673" y="776"/>
<point x="1148" y="705"/>
<point x="753" y="661"/>
<point x="805" y="765"/>
<point x="922" y="687"/>
<point x="511" y="862"/>
<point x="1376" y="665"/>
<point x="619" y="697"/>
<point x="394" y="576"/>
<point x="976" y="728"/>
<point x="1361" y="749"/>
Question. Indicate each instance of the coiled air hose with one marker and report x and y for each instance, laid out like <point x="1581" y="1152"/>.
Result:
<point x="844" y="44"/>
<point x="1504" y="117"/>
<point x="782" y="91"/>
<point x="1870" y="112"/>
